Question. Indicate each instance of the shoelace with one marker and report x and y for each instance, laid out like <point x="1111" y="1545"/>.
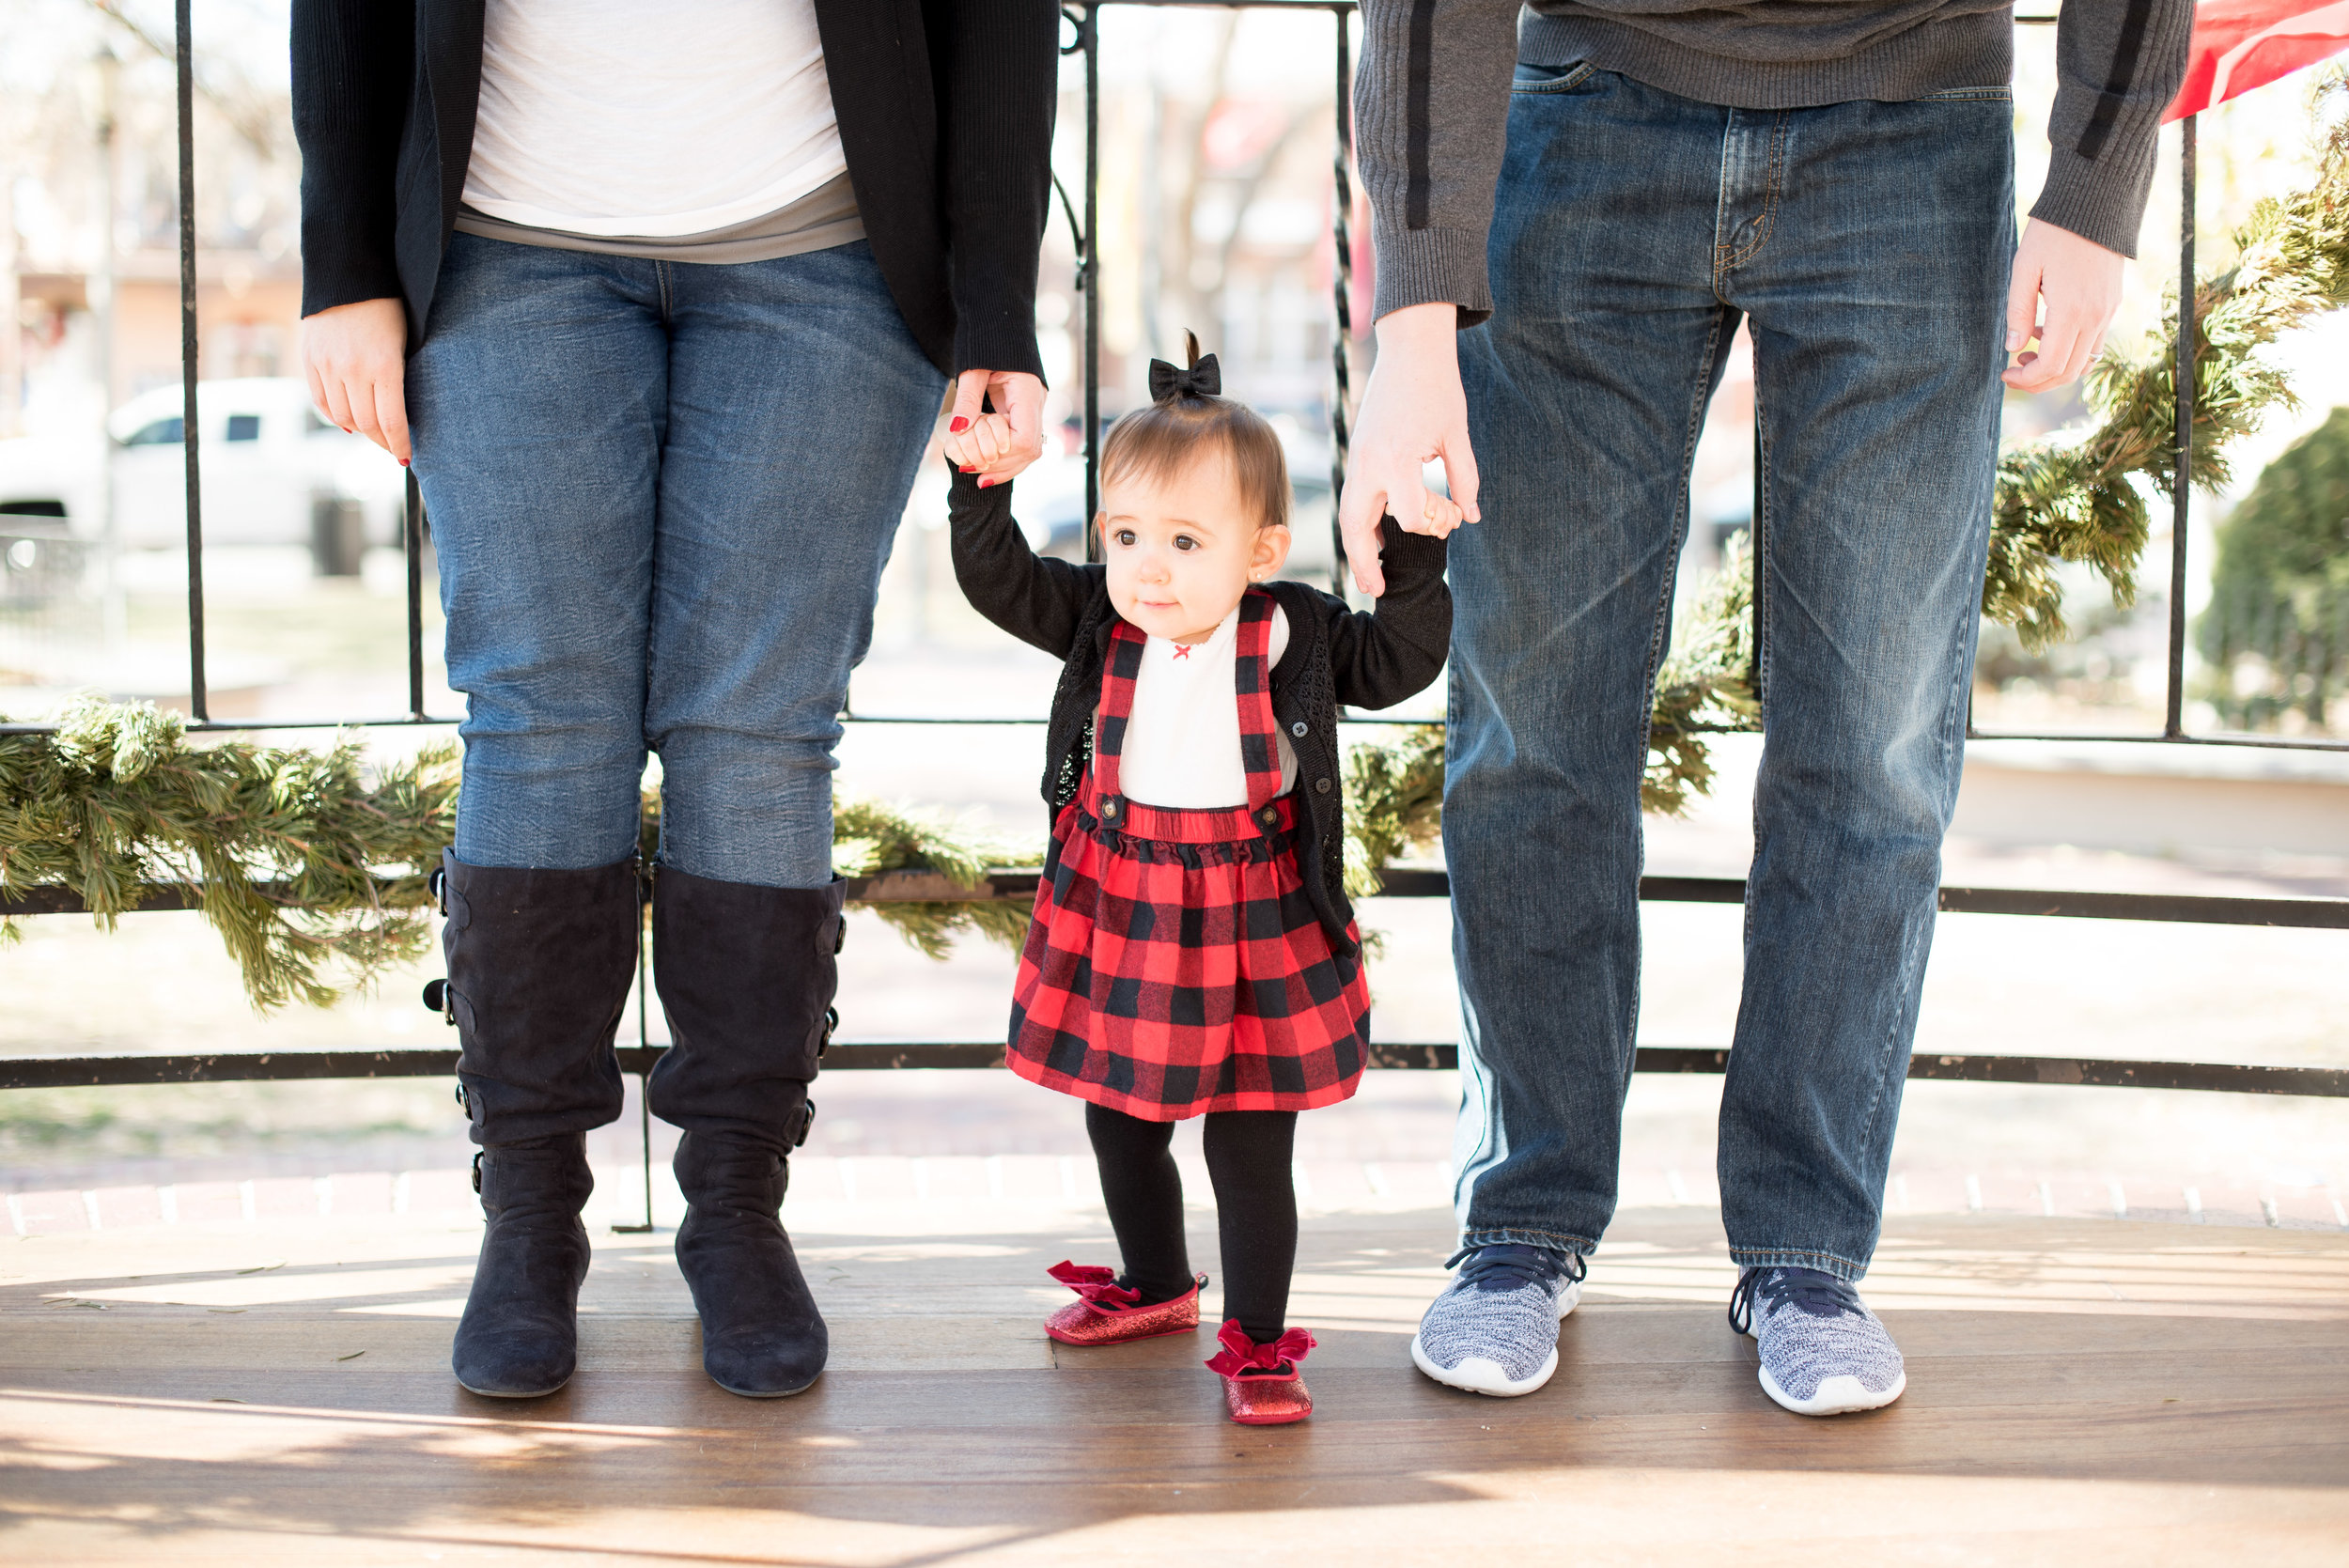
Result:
<point x="1513" y="1267"/>
<point x="1807" y="1290"/>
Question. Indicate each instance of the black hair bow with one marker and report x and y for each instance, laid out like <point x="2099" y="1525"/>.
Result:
<point x="1202" y="380"/>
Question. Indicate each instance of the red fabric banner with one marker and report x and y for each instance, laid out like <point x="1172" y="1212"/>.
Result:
<point x="2241" y="44"/>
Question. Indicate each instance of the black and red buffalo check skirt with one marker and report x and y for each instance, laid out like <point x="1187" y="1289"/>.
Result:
<point x="1175" y="964"/>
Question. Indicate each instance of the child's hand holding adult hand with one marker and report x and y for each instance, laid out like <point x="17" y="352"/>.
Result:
<point x="996" y="447"/>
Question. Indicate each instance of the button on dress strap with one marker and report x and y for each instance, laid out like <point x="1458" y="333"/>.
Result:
<point x="1118" y="673"/>
<point x="1251" y="676"/>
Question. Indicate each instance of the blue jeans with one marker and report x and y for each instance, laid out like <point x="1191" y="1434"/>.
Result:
<point x="661" y="495"/>
<point x="1870" y="244"/>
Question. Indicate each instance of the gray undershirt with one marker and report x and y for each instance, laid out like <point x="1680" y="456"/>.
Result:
<point x="825" y="217"/>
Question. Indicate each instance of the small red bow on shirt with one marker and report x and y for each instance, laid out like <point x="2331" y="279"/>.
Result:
<point x="1241" y="1353"/>
<point x="1097" y="1285"/>
<point x="1182" y="650"/>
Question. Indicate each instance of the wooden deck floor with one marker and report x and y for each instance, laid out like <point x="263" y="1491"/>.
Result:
<point x="2080" y="1393"/>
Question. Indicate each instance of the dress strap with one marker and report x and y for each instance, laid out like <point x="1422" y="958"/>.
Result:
<point x="1252" y="677"/>
<point x="1118" y="673"/>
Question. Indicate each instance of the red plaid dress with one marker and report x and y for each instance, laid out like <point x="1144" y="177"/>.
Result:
<point x="1174" y="965"/>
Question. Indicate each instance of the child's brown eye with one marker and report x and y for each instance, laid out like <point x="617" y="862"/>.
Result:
<point x="1184" y="541"/>
<point x="1126" y="537"/>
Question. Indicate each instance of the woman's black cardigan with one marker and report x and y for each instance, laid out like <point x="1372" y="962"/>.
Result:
<point x="1334" y="655"/>
<point x="945" y="110"/>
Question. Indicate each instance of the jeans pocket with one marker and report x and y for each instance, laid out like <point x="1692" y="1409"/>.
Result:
<point x="1552" y="79"/>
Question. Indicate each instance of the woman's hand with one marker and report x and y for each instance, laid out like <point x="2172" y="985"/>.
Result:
<point x="996" y="445"/>
<point x="356" y="357"/>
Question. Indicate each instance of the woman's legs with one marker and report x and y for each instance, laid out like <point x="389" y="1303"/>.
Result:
<point x="1249" y="1159"/>
<point x="536" y="405"/>
<point x="798" y="408"/>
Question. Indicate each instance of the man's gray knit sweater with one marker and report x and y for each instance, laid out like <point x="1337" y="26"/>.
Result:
<point x="1432" y="101"/>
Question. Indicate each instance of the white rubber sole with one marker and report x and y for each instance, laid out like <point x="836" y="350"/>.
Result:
<point x="1478" y="1374"/>
<point x="1837" y="1396"/>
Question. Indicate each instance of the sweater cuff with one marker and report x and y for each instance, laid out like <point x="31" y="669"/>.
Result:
<point x="1422" y="266"/>
<point x="1006" y="343"/>
<point x="2094" y="200"/>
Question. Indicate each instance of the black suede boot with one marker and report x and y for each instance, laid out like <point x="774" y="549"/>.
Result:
<point x="746" y="975"/>
<point x="539" y="964"/>
<point x="519" y="1334"/>
<point x="761" y="1334"/>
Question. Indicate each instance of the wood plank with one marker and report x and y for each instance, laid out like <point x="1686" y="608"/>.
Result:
<point x="2080" y="1392"/>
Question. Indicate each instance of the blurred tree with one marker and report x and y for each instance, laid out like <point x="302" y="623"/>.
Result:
<point x="2277" y="631"/>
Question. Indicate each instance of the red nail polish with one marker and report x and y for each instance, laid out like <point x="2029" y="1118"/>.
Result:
<point x="960" y="426"/>
<point x="403" y="462"/>
<point x="970" y="470"/>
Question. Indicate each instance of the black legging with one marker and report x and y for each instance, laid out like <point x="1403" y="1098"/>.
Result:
<point x="1248" y="1154"/>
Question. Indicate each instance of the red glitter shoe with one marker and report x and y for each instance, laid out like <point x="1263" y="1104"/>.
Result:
<point x="1104" y="1312"/>
<point x="1260" y="1382"/>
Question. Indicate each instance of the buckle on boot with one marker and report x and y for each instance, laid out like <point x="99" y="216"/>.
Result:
<point x="436" y="997"/>
<point x="824" y="1040"/>
<point x="807" y="1122"/>
<point x="476" y="1163"/>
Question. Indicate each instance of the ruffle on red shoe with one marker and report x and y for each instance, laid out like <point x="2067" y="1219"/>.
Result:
<point x="1241" y="1353"/>
<point x="1097" y="1285"/>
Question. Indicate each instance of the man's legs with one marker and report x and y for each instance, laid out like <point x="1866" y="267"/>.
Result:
<point x="1877" y="294"/>
<point x="1586" y="392"/>
<point x="798" y="405"/>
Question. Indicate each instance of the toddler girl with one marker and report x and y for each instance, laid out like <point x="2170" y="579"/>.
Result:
<point x="1192" y="951"/>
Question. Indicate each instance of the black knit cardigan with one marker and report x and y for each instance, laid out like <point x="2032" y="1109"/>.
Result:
<point x="1366" y="658"/>
<point x="945" y="110"/>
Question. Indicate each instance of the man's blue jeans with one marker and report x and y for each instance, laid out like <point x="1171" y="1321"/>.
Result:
<point x="1869" y="245"/>
<point x="661" y="495"/>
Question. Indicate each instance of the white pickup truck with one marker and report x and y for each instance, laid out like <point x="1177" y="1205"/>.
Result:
<point x="273" y="472"/>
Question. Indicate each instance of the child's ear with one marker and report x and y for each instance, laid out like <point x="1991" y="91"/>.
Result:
<point x="1270" y="552"/>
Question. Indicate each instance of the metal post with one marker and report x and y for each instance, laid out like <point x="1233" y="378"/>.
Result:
<point x="2182" y="477"/>
<point x="1342" y="288"/>
<point x="199" y="705"/>
<point x="1089" y="40"/>
<point x="412" y="544"/>
<point x="113" y="609"/>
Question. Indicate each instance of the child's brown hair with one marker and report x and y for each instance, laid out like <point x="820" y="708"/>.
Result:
<point x="1187" y="415"/>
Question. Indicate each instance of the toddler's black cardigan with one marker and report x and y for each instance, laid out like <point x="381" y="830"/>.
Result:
<point x="1335" y="654"/>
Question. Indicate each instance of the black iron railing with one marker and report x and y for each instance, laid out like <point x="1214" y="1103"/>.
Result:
<point x="1082" y="39"/>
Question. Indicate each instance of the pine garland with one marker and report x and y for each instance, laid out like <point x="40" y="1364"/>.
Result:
<point x="299" y="858"/>
<point x="2071" y="500"/>
<point x="307" y="860"/>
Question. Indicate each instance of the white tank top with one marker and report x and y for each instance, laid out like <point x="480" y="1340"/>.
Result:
<point x="625" y="117"/>
<point x="1182" y="735"/>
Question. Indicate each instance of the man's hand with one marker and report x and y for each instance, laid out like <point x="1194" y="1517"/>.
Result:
<point x="356" y="357"/>
<point x="2079" y="283"/>
<point x="996" y="445"/>
<point x="1414" y="412"/>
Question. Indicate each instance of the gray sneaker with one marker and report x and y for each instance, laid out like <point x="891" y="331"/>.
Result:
<point x="1823" y="1352"/>
<point x="1494" y="1331"/>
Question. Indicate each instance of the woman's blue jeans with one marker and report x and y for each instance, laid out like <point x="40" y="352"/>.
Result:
<point x="661" y="495"/>
<point x="1869" y="246"/>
